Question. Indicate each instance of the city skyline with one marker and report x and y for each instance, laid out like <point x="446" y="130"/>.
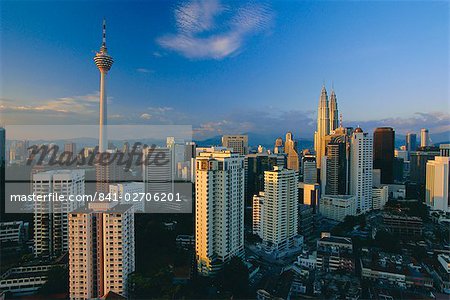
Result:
<point x="163" y="76"/>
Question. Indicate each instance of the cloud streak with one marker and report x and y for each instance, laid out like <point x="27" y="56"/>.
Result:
<point x="206" y="29"/>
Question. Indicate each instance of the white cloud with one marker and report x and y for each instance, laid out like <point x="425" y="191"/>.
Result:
<point x="146" y="116"/>
<point x="200" y="36"/>
<point x="144" y="70"/>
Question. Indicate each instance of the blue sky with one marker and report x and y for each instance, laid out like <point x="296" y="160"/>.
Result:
<point x="228" y="67"/>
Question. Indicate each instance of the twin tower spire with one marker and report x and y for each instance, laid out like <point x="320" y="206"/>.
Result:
<point x="327" y="121"/>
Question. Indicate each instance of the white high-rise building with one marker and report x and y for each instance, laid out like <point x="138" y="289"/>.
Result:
<point x="127" y="193"/>
<point x="280" y="209"/>
<point x="257" y="213"/>
<point x="380" y="196"/>
<point x="361" y="166"/>
<point x="50" y="217"/>
<point x="437" y="184"/>
<point x="101" y="249"/>
<point x="219" y="209"/>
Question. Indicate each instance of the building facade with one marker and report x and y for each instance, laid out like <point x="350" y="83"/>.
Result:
<point x="219" y="209"/>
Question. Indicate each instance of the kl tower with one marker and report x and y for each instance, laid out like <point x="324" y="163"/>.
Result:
<point x="104" y="63"/>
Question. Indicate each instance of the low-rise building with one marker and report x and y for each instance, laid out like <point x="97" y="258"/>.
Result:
<point x="335" y="253"/>
<point x="403" y="226"/>
<point x="14" y="231"/>
<point x="337" y="207"/>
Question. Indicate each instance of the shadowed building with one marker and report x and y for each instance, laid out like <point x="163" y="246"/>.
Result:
<point x="383" y="153"/>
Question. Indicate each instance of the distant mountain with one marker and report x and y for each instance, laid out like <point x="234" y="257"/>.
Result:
<point x="255" y="139"/>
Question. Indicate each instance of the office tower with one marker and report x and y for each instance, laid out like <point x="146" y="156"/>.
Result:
<point x="279" y="148"/>
<point x="438" y="184"/>
<point x="219" y="209"/>
<point x="337" y="207"/>
<point x="257" y="213"/>
<point x="334" y="115"/>
<point x="376" y="177"/>
<point x="127" y="193"/>
<point x="108" y="173"/>
<point x="239" y="143"/>
<point x="177" y="152"/>
<point x="424" y="138"/>
<point x="104" y="63"/>
<point x="70" y="147"/>
<point x="311" y="195"/>
<point x="418" y="166"/>
<point x="306" y="222"/>
<point x="280" y="209"/>
<point x="50" y="217"/>
<point x="290" y="148"/>
<point x="403" y="154"/>
<point x="411" y="142"/>
<point x="158" y="176"/>
<point x="361" y="166"/>
<point x="309" y="169"/>
<point x="323" y="125"/>
<point x="2" y="172"/>
<point x="101" y="250"/>
<point x="380" y="196"/>
<point x="336" y="167"/>
<point x="255" y="165"/>
<point x="444" y="150"/>
<point x="383" y="153"/>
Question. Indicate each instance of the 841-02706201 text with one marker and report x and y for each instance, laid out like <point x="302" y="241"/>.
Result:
<point x="139" y="197"/>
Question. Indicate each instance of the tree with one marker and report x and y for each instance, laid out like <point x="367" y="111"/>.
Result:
<point x="57" y="281"/>
<point x="387" y="241"/>
<point x="234" y="278"/>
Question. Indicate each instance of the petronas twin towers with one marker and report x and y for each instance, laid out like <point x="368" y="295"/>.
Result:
<point x="327" y="121"/>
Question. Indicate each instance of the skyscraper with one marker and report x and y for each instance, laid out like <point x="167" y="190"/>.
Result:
<point x="279" y="148"/>
<point x="323" y="125"/>
<point x="361" y="166"/>
<point x="239" y="143"/>
<point x="424" y="138"/>
<point x="50" y="217"/>
<point x="290" y="148"/>
<point x="334" y="117"/>
<point x="219" y="209"/>
<point x="309" y="169"/>
<point x="411" y="142"/>
<point x="280" y="209"/>
<point x="438" y="184"/>
<point x="101" y="249"/>
<point x="336" y="167"/>
<point x="383" y="153"/>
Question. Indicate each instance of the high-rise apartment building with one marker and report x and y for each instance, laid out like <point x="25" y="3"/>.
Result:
<point x="50" y="217"/>
<point x="255" y="165"/>
<point x="290" y="148"/>
<point x="280" y="209"/>
<point x="361" y="166"/>
<point x="383" y="153"/>
<point x="424" y="137"/>
<point x="257" y="213"/>
<point x="438" y="183"/>
<point x="101" y="249"/>
<point x="219" y="209"/>
<point x="239" y="143"/>
<point x="108" y="173"/>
